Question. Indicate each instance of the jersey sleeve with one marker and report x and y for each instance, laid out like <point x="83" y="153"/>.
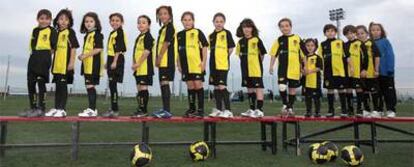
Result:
<point x="275" y="48"/>
<point x="319" y="62"/>
<point x="98" y="40"/>
<point x="202" y="38"/>
<point x="345" y="47"/>
<point x="169" y="33"/>
<point x="364" y="56"/>
<point x="238" y="49"/>
<point x="53" y="38"/>
<point x="120" y="45"/>
<point x="230" y="41"/>
<point x="73" y="41"/>
<point x="148" y="42"/>
<point x="320" y="50"/>
<point x="262" y="48"/>
<point x="375" y="51"/>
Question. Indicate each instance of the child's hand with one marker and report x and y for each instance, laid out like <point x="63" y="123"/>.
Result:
<point x="71" y="66"/>
<point x="179" y="69"/>
<point x="134" y="66"/>
<point x="202" y="66"/>
<point x="376" y="74"/>
<point x="351" y="70"/>
<point x="113" y="65"/>
<point x="81" y="57"/>
<point x="158" y="61"/>
<point x="363" y="74"/>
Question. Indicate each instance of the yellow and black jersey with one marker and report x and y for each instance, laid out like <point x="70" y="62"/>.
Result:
<point x="167" y="34"/>
<point x="66" y="42"/>
<point x="92" y="65"/>
<point x="288" y="50"/>
<point x="334" y="58"/>
<point x="116" y="42"/>
<point x="313" y="80"/>
<point x="356" y="51"/>
<point x="144" y="41"/>
<point x="250" y="52"/>
<point x="190" y="44"/>
<point x="44" y="38"/>
<point x="220" y="43"/>
<point x="373" y="53"/>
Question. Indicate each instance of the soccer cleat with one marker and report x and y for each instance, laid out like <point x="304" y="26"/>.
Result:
<point x="51" y="112"/>
<point x="284" y="111"/>
<point x="110" y="114"/>
<point x="189" y="113"/>
<point x="317" y="115"/>
<point x="88" y="113"/>
<point x="390" y="114"/>
<point x="226" y="114"/>
<point x="26" y="112"/>
<point x="359" y="115"/>
<point x="257" y="114"/>
<point x="36" y="113"/>
<point x="139" y="114"/>
<point x="343" y="115"/>
<point x="366" y="114"/>
<point x="290" y="112"/>
<point x="248" y="113"/>
<point x="308" y="114"/>
<point x="162" y="114"/>
<point x="60" y="114"/>
<point x="330" y="115"/>
<point x="215" y="113"/>
<point x="375" y="114"/>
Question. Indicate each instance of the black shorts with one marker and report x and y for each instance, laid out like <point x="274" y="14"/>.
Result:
<point x="370" y="84"/>
<point x="143" y="80"/>
<point x="354" y="83"/>
<point x="91" y="79"/>
<point x="218" y="78"/>
<point x="193" y="77"/>
<point x="63" y="78"/>
<point x="312" y="92"/>
<point x="39" y="65"/>
<point x="335" y="82"/>
<point x="166" y="74"/>
<point x="116" y="74"/>
<point x="253" y="82"/>
<point x="290" y="82"/>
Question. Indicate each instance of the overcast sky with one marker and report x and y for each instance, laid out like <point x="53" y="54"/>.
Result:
<point x="19" y="17"/>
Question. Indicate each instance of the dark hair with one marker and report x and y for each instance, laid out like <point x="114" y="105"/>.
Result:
<point x="191" y="14"/>
<point x="383" y="33"/>
<point x="349" y="29"/>
<point x="219" y="14"/>
<point x="247" y="23"/>
<point x="310" y="40"/>
<point x="44" y="12"/>
<point x="329" y="27"/>
<point x="362" y="27"/>
<point x="168" y="8"/>
<point x="285" y="20"/>
<point x="63" y="12"/>
<point x="145" y="17"/>
<point x="119" y="15"/>
<point x="94" y="17"/>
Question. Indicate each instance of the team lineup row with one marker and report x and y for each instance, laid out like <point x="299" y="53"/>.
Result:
<point x="364" y="64"/>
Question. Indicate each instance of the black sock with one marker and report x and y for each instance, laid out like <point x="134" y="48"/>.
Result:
<point x="226" y="99"/>
<point x="291" y="101"/>
<point x="308" y="102"/>
<point x="61" y="95"/>
<point x="146" y="99"/>
<point x="218" y="98"/>
<point x="283" y="96"/>
<point x="375" y="101"/>
<point x="165" y="94"/>
<point x="342" y="98"/>
<point x="31" y="87"/>
<point x="139" y="102"/>
<point x="252" y="100"/>
<point x="349" y="102"/>
<point x="317" y="102"/>
<point x="331" y="102"/>
<point x="260" y="105"/>
<point x="191" y="99"/>
<point x="200" y="100"/>
<point x="360" y="98"/>
<point x="114" y="95"/>
<point x="92" y="97"/>
<point x="366" y="101"/>
<point x="41" y="96"/>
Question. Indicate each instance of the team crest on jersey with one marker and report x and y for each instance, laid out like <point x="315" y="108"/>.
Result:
<point x="254" y="45"/>
<point x="313" y="61"/>
<point x="192" y="35"/>
<point x="295" y="42"/>
<point x="63" y="37"/>
<point x="222" y="37"/>
<point x="44" y="38"/>
<point x="338" y="45"/>
<point x="356" y="47"/>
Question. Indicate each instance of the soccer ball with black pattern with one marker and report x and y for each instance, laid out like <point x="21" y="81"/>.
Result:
<point x="141" y="155"/>
<point x="352" y="155"/>
<point x="333" y="150"/>
<point x="318" y="153"/>
<point x="199" y="151"/>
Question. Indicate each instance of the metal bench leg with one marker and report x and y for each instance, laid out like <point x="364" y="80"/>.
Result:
<point x="374" y="142"/>
<point x="213" y="138"/>
<point x="274" y="137"/>
<point x="145" y="133"/>
<point x="75" y="140"/>
<point x="356" y="134"/>
<point x="3" y="136"/>
<point x="297" y="138"/>
<point x="284" y="136"/>
<point x="263" y="135"/>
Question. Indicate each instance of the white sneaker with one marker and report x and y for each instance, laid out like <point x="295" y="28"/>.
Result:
<point x="51" y="112"/>
<point x="226" y="114"/>
<point x="215" y="113"/>
<point x="60" y="113"/>
<point x="257" y="114"/>
<point x="366" y="114"/>
<point x="390" y="114"/>
<point x="376" y="114"/>
<point x="290" y="112"/>
<point x="88" y="113"/>
<point x="248" y="113"/>
<point x="284" y="108"/>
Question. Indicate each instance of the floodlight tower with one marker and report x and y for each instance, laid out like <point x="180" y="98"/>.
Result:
<point x="337" y="15"/>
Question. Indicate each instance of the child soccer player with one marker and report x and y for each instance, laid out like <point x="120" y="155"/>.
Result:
<point x="192" y="51"/>
<point x="42" y="45"/>
<point x="386" y="68"/>
<point x="63" y="61"/>
<point x="312" y="76"/>
<point x="371" y="89"/>
<point x="92" y="59"/>
<point x="221" y="47"/>
<point x="334" y="58"/>
<point x="115" y="60"/>
<point x="143" y="65"/>
<point x="251" y="51"/>
<point x="165" y="57"/>
<point x="287" y="48"/>
<point x="357" y="68"/>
